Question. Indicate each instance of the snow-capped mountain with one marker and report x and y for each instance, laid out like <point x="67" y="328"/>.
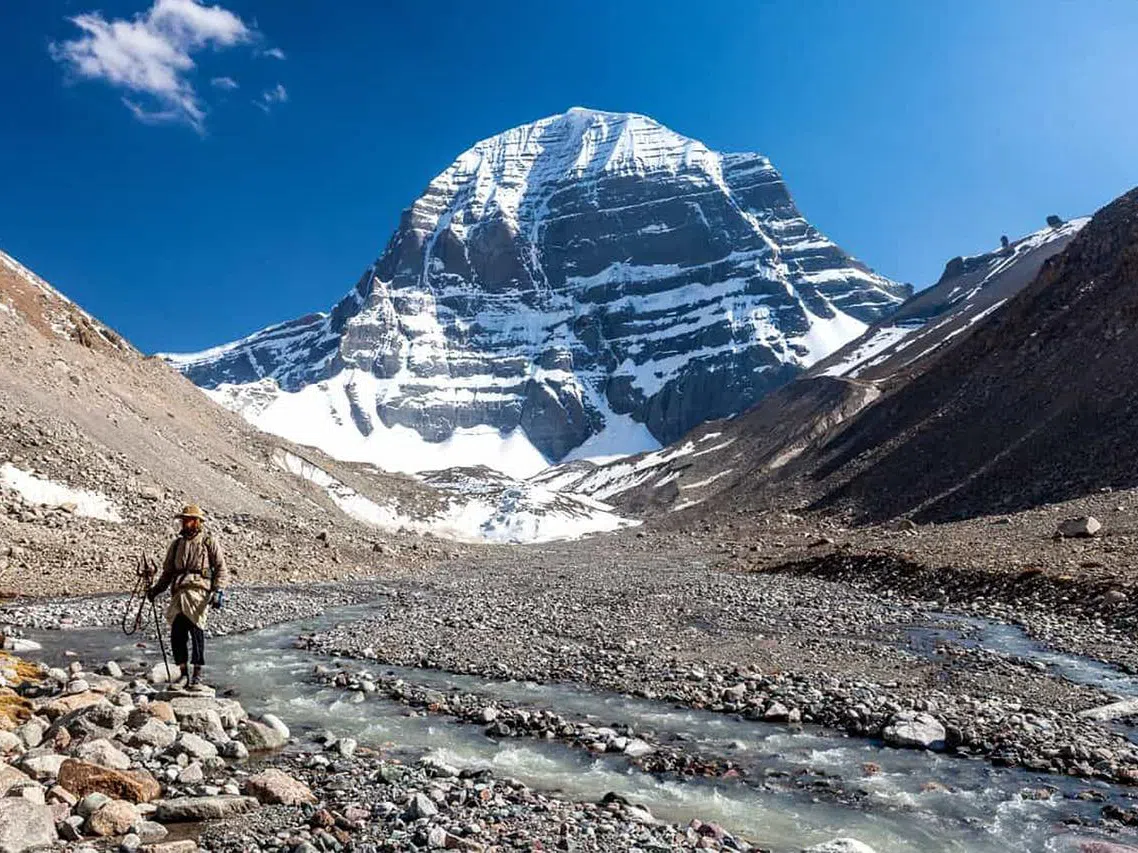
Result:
<point x="586" y="285"/>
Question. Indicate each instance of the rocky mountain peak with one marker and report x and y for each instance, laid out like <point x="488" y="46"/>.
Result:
<point x="587" y="284"/>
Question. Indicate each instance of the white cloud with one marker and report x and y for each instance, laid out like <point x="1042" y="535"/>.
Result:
<point x="270" y="97"/>
<point x="273" y="53"/>
<point x="227" y="83"/>
<point x="151" y="54"/>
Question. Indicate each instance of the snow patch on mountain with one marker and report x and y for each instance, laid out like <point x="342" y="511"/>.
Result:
<point x="320" y="415"/>
<point x="39" y="490"/>
<point x="476" y="506"/>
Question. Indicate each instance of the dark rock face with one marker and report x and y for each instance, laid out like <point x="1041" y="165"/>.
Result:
<point x="584" y="266"/>
<point x="1036" y="406"/>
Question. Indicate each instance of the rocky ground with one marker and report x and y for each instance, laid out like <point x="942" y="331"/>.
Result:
<point x="776" y="617"/>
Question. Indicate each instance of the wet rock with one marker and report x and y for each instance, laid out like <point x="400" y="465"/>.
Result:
<point x="24" y="826"/>
<point x="275" y="787"/>
<point x="259" y="737"/>
<point x="912" y="730"/>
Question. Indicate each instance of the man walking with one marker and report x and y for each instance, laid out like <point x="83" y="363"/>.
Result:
<point x="196" y="575"/>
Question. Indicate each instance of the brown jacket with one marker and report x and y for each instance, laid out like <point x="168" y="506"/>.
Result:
<point x="193" y="569"/>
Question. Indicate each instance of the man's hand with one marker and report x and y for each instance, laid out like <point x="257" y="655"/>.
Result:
<point x="217" y="599"/>
<point x="151" y="594"/>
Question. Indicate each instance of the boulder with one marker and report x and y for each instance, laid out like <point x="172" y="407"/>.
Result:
<point x="57" y="708"/>
<point x="274" y="787"/>
<point x="11" y="778"/>
<point x="277" y="725"/>
<point x="81" y="778"/>
<point x="912" y="730"/>
<point x="183" y="809"/>
<point x="194" y="746"/>
<point x="230" y="712"/>
<point x="32" y="732"/>
<point x="114" y="818"/>
<point x="153" y="733"/>
<point x="205" y="722"/>
<point x="42" y="765"/>
<point x="24" y="826"/>
<point x="103" y="753"/>
<point x="637" y="748"/>
<point x="162" y="711"/>
<point x="259" y="737"/>
<point x="11" y="742"/>
<point x="1080" y="528"/>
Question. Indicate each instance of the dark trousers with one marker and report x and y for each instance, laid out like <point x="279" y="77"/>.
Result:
<point x="184" y="633"/>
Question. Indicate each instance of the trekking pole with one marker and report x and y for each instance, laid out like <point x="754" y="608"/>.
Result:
<point x="144" y="577"/>
<point x="152" y="570"/>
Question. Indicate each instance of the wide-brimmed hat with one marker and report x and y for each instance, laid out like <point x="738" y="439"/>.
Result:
<point x="191" y="511"/>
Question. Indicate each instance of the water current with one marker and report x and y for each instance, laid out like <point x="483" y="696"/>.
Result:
<point x="918" y="801"/>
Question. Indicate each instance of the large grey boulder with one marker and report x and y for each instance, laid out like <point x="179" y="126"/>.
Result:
<point x="153" y="733"/>
<point x="204" y="722"/>
<point x="260" y="737"/>
<point x="912" y="730"/>
<point x="194" y="746"/>
<point x="1080" y="528"/>
<point x="228" y="711"/>
<point x="25" y="826"/>
<point x="103" y="753"/>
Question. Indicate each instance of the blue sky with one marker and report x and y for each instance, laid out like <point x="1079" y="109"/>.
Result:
<point x="187" y="211"/>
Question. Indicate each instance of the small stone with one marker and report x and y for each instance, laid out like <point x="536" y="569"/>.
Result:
<point x="130" y="843"/>
<point x="421" y="806"/>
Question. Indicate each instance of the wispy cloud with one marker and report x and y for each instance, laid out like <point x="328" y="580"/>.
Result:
<point x="273" y="53"/>
<point x="227" y="83"/>
<point x="151" y="55"/>
<point x="271" y="97"/>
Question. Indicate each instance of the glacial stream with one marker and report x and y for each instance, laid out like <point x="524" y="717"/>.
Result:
<point x="917" y="802"/>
